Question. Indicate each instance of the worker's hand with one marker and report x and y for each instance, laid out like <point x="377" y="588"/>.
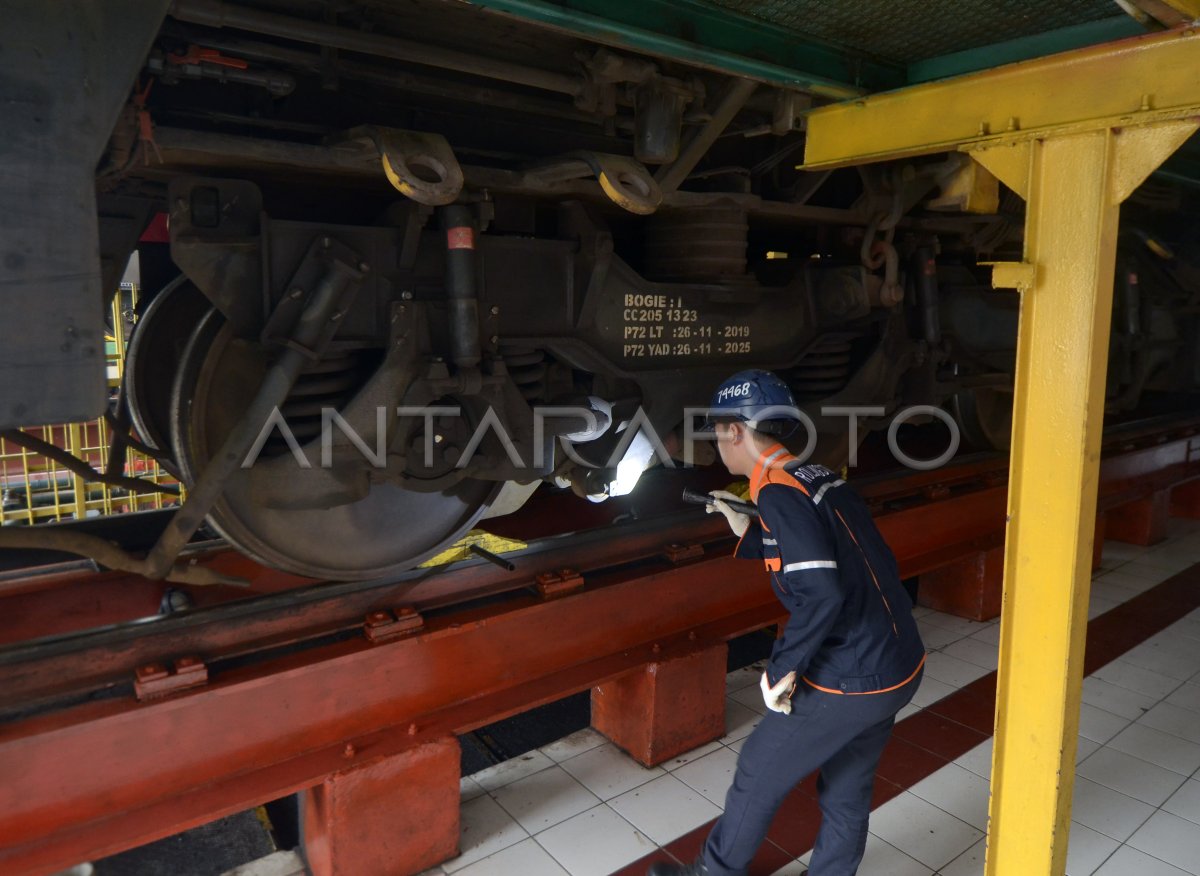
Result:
<point x="738" y="522"/>
<point x="779" y="697"/>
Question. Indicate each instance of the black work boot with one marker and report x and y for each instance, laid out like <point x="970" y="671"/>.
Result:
<point x="662" y="868"/>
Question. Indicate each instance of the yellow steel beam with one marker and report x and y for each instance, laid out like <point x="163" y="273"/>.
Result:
<point x="1190" y="9"/>
<point x="1075" y="185"/>
<point x="1131" y="82"/>
<point x="1074" y="135"/>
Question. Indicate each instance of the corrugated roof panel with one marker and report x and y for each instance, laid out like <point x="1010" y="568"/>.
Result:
<point x="905" y="31"/>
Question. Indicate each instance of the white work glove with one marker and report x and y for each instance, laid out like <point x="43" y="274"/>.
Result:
<point x="779" y="697"/>
<point x="738" y="522"/>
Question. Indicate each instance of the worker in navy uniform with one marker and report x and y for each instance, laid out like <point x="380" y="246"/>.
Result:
<point x="847" y="660"/>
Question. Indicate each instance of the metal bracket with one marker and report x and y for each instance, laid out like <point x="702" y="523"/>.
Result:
<point x="386" y="625"/>
<point x="1012" y="275"/>
<point x="325" y="255"/>
<point x="679" y="553"/>
<point x="155" y="680"/>
<point x="623" y="180"/>
<point x="552" y="585"/>
<point x="420" y="165"/>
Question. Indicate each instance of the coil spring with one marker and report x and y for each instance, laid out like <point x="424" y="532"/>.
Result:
<point x="825" y="368"/>
<point x="328" y="383"/>
<point x="527" y="367"/>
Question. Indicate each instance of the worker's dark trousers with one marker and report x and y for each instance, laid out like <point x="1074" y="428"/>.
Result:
<point x="841" y="735"/>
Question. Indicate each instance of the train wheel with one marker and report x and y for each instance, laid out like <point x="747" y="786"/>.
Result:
<point x="267" y="509"/>
<point x="152" y="360"/>
<point x="985" y="417"/>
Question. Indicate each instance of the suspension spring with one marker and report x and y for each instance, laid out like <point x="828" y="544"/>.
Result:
<point x="527" y="367"/>
<point x="328" y="383"/>
<point x="825" y="368"/>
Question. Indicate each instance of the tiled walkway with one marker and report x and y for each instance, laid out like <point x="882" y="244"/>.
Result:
<point x="583" y="808"/>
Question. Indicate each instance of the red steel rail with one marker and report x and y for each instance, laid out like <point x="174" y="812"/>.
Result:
<point x="272" y="695"/>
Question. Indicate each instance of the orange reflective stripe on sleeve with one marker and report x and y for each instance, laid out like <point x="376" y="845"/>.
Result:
<point x="772" y="563"/>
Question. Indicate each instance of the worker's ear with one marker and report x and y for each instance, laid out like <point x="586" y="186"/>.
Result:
<point x="736" y="433"/>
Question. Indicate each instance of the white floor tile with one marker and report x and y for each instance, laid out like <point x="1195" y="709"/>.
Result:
<point x="515" y="768"/>
<point x="989" y="635"/>
<point x="922" y="831"/>
<point x="1130" y="862"/>
<point x="485" y="829"/>
<point x="930" y="691"/>
<point x="974" y="650"/>
<point x="526" y="858"/>
<point x="575" y="744"/>
<point x="1107" y="811"/>
<point x="739" y="721"/>
<point x="792" y="868"/>
<point x="1098" y="606"/>
<point x="692" y="756"/>
<point x="1154" y="569"/>
<point x="907" y="711"/>
<point x="751" y="698"/>
<point x="969" y="863"/>
<point x="1122" y="550"/>
<point x="1186" y="697"/>
<point x="1118" y="700"/>
<point x="711" y="775"/>
<point x="959" y="791"/>
<point x="936" y="637"/>
<point x="952" y="670"/>
<point x="736" y="745"/>
<point x="1158" y="565"/>
<point x="978" y="760"/>
<point x="1164" y="749"/>
<point x="607" y="771"/>
<point x="1084" y="747"/>
<point x="881" y="857"/>
<point x="1174" y="720"/>
<point x="1164" y="661"/>
<point x="1087" y="850"/>
<point x="1135" y="678"/>
<point x="744" y="677"/>
<point x="1099" y="725"/>
<point x="544" y="799"/>
<point x="1111" y="590"/>
<point x="1170" y="838"/>
<point x="287" y="863"/>
<point x="665" y="809"/>
<point x="1186" y="801"/>
<point x="1131" y="776"/>
<point x="595" y="843"/>
<point x="961" y="625"/>
<point x="468" y="789"/>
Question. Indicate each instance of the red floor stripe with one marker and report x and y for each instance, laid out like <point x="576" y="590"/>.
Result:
<point x="925" y="742"/>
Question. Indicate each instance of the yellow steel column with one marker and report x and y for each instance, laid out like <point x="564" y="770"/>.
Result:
<point x="1074" y="185"/>
<point x="1073" y="134"/>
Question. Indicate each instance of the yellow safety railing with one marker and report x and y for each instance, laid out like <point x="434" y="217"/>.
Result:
<point x="38" y="490"/>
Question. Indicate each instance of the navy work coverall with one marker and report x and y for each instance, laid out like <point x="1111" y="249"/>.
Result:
<point x="854" y="646"/>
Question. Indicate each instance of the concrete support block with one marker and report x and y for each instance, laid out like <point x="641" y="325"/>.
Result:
<point x="393" y="816"/>
<point x="1185" y="500"/>
<point x="665" y="708"/>
<point x="1142" y="522"/>
<point x="971" y="588"/>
